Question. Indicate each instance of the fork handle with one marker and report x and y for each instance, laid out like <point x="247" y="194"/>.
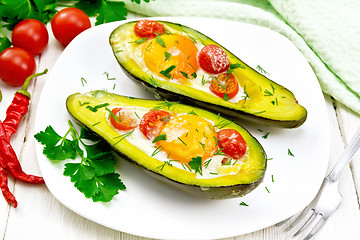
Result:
<point x="345" y="157"/>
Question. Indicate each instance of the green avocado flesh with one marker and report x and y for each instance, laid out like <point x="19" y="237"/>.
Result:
<point x="264" y="101"/>
<point x="92" y="111"/>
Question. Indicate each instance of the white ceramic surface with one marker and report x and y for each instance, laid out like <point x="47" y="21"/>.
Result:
<point x="150" y="208"/>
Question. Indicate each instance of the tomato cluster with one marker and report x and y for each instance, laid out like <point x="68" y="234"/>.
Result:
<point x="230" y="141"/>
<point x="30" y="38"/>
<point x="212" y="59"/>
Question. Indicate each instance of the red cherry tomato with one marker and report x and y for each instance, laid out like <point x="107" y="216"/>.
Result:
<point x="31" y="35"/>
<point x="213" y="59"/>
<point x="152" y="123"/>
<point x="126" y="121"/>
<point x="232" y="143"/>
<point x="148" y="28"/>
<point x="224" y="84"/>
<point x="16" y="64"/>
<point x="68" y="23"/>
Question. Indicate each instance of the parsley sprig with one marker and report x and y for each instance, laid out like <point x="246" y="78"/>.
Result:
<point x="95" y="174"/>
<point x="196" y="164"/>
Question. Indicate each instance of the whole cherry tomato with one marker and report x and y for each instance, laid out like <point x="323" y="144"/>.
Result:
<point x="68" y="23"/>
<point x="16" y="64"/>
<point x="152" y="123"/>
<point x="213" y="59"/>
<point x="148" y="28"/>
<point x="224" y="84"/>
<point x="124" y="120"/>
<point x="31" y="35"/>
<point x="232" y="143"/>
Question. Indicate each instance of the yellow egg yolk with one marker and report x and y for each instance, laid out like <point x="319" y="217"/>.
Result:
<point x="187" y="137"/>
<point x="166" y="51"/>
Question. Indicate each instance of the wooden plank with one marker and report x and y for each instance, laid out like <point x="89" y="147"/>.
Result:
<point x="41" y="216"/>
<point x="349" y="122"/>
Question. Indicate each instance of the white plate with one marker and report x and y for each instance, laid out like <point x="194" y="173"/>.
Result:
<point x="150" y="208"/>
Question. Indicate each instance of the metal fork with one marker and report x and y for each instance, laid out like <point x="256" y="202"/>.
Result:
<point x="328" y="198"/>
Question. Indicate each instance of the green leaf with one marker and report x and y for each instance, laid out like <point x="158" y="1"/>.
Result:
<point x="93" y="150"/>
<point x="78" y="172"/>
<point x="48" y="137"/>
<point x="160" y="137"/>
<point x="196" y="164"/>
<point x="89" y="187"/>
<point x="109" y="185"/>
<point x="4" y="41"/>
<point x="103" y="167"/>
<point x="111" y="12"/>
<point x="56" y="147"/>
<point x="13" y="11"/>
<point x="167" y="55"/>
<point x="87" y="134"/>
<point x="95" y="175"/>
<point x="236" y="65"/>
<point x="160" y="41"/>
<point x="138" y="1"/>
<point x="63" y="151"/>
<point x="167" y="71"/>
<point x="90" y="7"/>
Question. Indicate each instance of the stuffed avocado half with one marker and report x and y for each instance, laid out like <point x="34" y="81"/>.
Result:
<point x="190" y="148"/>
<point x="176" y="62"/>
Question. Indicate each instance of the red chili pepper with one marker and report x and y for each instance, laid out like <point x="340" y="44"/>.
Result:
<point x="8" y="159"/>
<point x="19" y="107"/>
<point x="9" y="197"/>
<point x="10" y="162"/>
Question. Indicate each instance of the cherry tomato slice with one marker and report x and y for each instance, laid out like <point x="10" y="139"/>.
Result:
<point x="31" y="35"/>
<point x="68" y="23"/>
<point x="16" y="64"/>
<point x="152" y="123"/>
<point x="225" y="83"/>
<point x="148" y="28"/>
<point x="232" y="143"/>
<point x="126" y="121"/>
<point x="213" y="59"/>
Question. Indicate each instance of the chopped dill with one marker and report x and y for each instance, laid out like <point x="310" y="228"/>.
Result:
<point x="123" y="136"/>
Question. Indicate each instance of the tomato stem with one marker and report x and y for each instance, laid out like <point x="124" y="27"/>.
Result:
<point x="24" y="88"/>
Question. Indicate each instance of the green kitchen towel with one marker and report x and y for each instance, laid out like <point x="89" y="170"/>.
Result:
<point x="327" y="32"/>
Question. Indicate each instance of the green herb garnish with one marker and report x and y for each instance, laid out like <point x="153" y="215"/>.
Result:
<point x="95" y="174"/>
<point x="266" y="135"/>
<point x="167" y="56"/>
<point x="164" y="105"/>
<point x="160" y="137"/>
<point x="83" y="81"/>
<point x="160" y="41"/>
<point x="290" y="153"/>
<point x="236" y="65"/>
<point x="111" y="114"/>
<point x="192" y="112"/>
<point x="261" y="70"/>
<point x="157" y="150"/>
<point x="243" y="204"/>
<point x="167" y="71"/>
<point x="107" y="76"/>
<point x="182" y="141"/>
<point x="95" y="108"/>
<point x="223" y="123"/>
<point x="123" y="136"/>
<point x="196" y="164"/>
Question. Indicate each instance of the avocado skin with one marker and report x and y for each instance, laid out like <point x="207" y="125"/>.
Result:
<point x="222" y="192"/>
<point x="237" y="115"/>
<point x="212" y="192"/>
